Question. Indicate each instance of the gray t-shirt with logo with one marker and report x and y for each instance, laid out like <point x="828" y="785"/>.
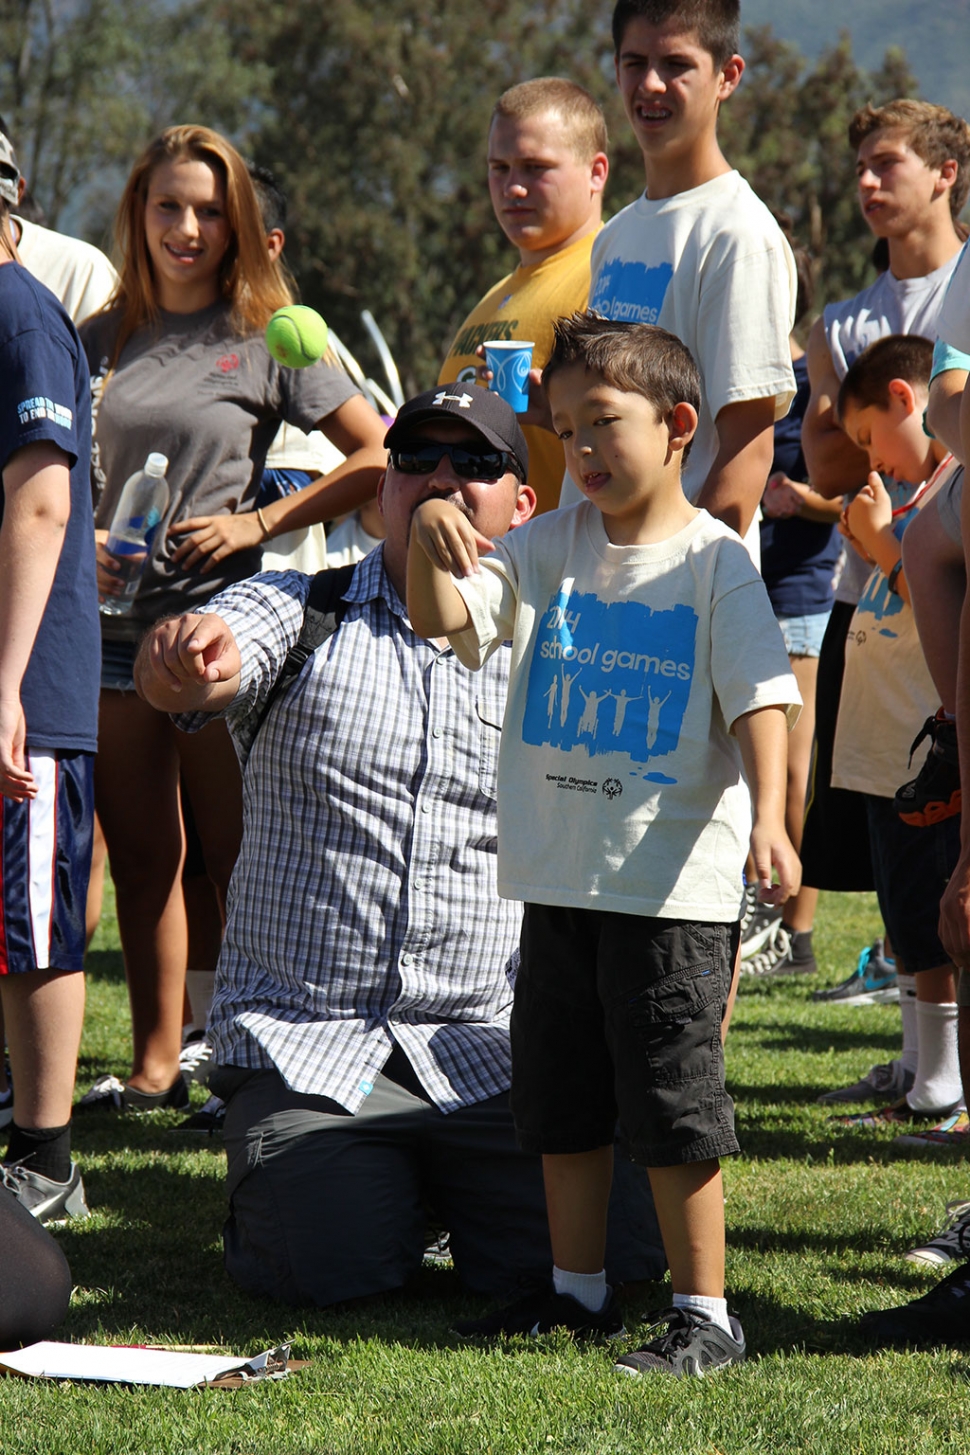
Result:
<point x="192" y="389"/>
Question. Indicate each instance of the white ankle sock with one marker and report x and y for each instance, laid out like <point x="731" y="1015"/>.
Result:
<point x="937" y="1083"/>
<point x="589" y="1289"/>
<point x="907" y="1007"/>
<point x="714" y="1309"/>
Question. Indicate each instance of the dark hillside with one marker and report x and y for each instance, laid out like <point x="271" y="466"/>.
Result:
<point x="935" y="36"/>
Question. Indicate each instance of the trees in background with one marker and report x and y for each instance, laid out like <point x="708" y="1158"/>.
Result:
<point x="374" y="116"/>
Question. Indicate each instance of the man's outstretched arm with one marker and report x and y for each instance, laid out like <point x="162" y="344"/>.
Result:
<point x="189" y="664"/>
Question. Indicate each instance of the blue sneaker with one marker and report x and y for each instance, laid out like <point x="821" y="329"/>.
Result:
<point x="872" y="982"/>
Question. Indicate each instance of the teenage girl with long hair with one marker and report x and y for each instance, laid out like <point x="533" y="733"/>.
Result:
<point x="179" y="366"/>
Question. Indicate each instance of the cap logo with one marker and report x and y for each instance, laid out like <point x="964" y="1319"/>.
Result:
<point x="464" y="401"/>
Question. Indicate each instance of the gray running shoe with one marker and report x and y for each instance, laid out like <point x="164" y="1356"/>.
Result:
<point x="882" y="1083"/>
<point x="872" y="982"/>
<point x="952" y="1242"/>
<point x="690" y="1344"/>
<point x="43" y="1198"/>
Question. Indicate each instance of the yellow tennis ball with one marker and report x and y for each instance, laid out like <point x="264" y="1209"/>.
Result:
<point x="297" y="336"/>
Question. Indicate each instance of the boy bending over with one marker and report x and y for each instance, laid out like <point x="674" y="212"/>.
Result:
<point x="649" y="678"/>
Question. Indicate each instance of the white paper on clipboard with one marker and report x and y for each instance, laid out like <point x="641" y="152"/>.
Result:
<point x="114" y="1365"/>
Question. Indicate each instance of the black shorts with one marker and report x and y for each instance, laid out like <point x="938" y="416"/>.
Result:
<point x="912" y="867"/>
<point x="619" y="1016"/>
<point x="835" y="837"/>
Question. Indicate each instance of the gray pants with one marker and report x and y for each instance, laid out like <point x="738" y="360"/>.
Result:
<point x="326" y="1206"/>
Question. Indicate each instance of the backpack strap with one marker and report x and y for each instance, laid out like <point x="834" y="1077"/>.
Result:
<point x="322" y="614"/>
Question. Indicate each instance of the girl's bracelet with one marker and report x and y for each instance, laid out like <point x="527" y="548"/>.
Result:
<point x="892" y="580"/>
<point x="262" y="520"/>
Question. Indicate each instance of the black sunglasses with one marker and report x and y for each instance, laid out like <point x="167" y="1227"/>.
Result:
<point x="468" y="464"/>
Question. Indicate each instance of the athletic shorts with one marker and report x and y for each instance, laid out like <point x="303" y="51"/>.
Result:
<point x="45" y="863"/>
<point x="911" y="868"/>
<point x="618" y="1016"/>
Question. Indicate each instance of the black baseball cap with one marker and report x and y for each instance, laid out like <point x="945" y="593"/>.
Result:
<point x="484" y="410"/>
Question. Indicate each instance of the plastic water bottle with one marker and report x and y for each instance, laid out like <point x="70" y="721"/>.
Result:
<point x="142" y="507"/>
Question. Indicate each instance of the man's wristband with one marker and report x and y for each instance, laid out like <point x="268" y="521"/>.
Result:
<point x="892" y="580"/>
<point x="262" y="521"/>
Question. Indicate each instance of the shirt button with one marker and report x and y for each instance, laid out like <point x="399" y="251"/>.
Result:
<point x="407" y="959"/>
<point x="436" y="732"/>
<point x="426" y="808"/>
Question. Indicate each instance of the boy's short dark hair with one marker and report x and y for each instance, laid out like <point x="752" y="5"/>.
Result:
<point x="899" y="356"/>
<point x="716" y="23"/>
<point x="636" y="358"/>
<point x="270" y="196"/>
<point x="935" y="134"/>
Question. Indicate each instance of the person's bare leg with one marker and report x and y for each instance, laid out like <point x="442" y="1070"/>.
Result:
<point x="938" y="986"/>
<point x="799" y="912"/>
<point x="937" y="579"/>
<point x="205" y="923"/>
<point x="99" y="857"/>
<point x="136" y="789"/>
<point x="211" y="777"/>
<point x="577" y="1200"/>
<point x="44" y="1012"/>
<point x="732" y="997"/>
<point x="690" y="1209"/>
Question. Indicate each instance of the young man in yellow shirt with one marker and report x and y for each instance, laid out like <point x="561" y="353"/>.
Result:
<point x="547" y="168"/>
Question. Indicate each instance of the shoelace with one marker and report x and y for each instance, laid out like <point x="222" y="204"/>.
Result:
<point x="776" y="949"/>
<point x="12" y="1177"/>
<point x="679" y="1324"/>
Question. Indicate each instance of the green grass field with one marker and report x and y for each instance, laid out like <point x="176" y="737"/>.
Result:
<point x="818" y="1219"/>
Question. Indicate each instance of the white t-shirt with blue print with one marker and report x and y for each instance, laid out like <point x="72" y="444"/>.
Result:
<point x="620" y="782"/>
<point x="710" y="265"/>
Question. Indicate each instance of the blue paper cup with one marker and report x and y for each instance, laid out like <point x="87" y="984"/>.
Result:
<point x="510" y="361"/>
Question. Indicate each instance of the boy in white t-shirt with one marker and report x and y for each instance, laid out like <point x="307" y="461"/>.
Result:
<point x="647" y="668"/>
<point x="698" y="253"/>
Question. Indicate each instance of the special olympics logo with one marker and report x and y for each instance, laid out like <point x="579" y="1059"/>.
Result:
<point x="612" y="787"/>
<point x="228" y="362"/>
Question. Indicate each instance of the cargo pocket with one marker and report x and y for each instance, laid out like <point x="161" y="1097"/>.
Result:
<point x="677" y="1023"/>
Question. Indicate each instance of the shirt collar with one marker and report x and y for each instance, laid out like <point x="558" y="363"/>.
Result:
<point x="370" y="581"/>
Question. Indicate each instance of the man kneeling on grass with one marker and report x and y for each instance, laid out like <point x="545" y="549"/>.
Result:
<point x="360" y="1018"/>
<point x="648" y="681"/>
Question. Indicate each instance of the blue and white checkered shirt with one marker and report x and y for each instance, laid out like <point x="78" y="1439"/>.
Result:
<point x="363" y="908"/>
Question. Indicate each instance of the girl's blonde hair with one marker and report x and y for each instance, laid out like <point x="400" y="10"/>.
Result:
<point x="249" y="280"/>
